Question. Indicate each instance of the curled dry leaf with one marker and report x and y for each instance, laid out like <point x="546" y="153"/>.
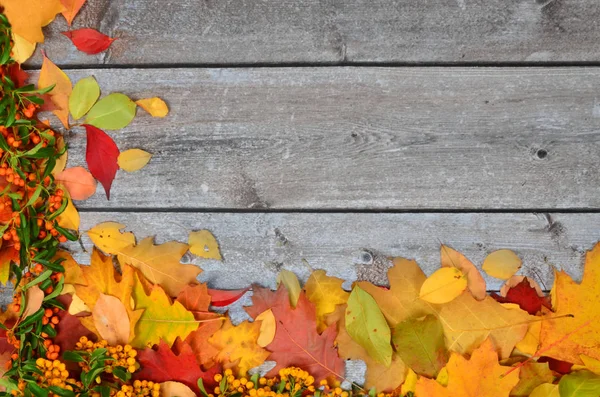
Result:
<point x="89" y="40"/>
<point x="443" y="285"/>
<point x="475" y="282"/>
<point x="78" y="181"/>
<point x="291" y="283"/>
<point x="34" y="297"/>
<point x="133" y="159"/>
<point x="204" y="244"/>
<point x="109" y="238"/>
<point x="155" y="106"/>
<point x="111" y="320"/>
<point x="502" y="264"/>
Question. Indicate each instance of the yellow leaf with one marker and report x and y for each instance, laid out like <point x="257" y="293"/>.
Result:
<point x="291" y="283"/>
<point x="69" y="219"/>
<point x="531" y="341"/>
<point x="590" y="364"/>
<point x="111" y="320"/>
<point x="203" y="244"/>
<point x="175" y="389"/>
<point x="267" y="328"/>
<point x="442" y="377"/>
<point x="22" y="48"/>
<point x="155" y="106"/>
<point x="502" y="264"/>
<point x="50" y="74"/>
<point x="73" y="273"/>
<point x="575" y="314"/>
<point x="481" y="375"/>
<point x="78" y="306"/>
<point x="475" y="282"/>
<point x="410" y="383"/>
<point x="443" y="285"/>
<point x="133" y="159"/>
<point x="325" y="293"/>
<point x="162" y="318"/>
<point x="28" y="19"/>
<point x="238" y="344"/>
<point x="61" y="162"/>
<point x="161" y="264"/>
<point x="545" y="390"/>
<point x="108" y="237"/>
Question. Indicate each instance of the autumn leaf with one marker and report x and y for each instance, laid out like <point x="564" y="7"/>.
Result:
<point x="69" y="218"/>
<point x="85" y="93"/>
<point x="576" y="314"/>
<point x="22" y="49"/>
<point x="89" y="40"/>
<point x="502" y="264"/>
<point x="531" y="375"/>
<point x="34" y="297"/>
<point x="420" y="344"/>
<point x="108" y="237"/>
<point x="222" y="298"/>
<point x="268" y="326"/>
<point x="51" y="75"/>
<point x="443" y="285"/>
<point x="78" y="181"/>
<point x="162" y="319"/>
<point x="69" y="329"/>
<point x="238" y="345"/>
<point x="480" y="375"/>
<point x="155" y="106"/>
<point x="292" y="285"/>
<point x="452" y="258"/>
<point x="163" y="365"/>
<point x="27" y="21"/>
<point x="367" y="326"/>
<point x="579" y="384"/>
<point x="72" y="8"/>
<point x="325" y="292"/>
<point x="111" y="320"/>
<point x="175" y="389"/>
<point x="61" y="162"/>
<point x="545" y="390"/>
<point x="525" y="296"/>
<point x="296" y="345"/>
<point x="203" y="244"/>
<point x="101" y="154"/>
<point x="161" y="264"/>
<point x="113" y="112"/>
<point x="133" y="160"/>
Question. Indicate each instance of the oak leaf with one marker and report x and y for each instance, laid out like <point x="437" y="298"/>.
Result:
<point x="27" y="20"/>
<point x="161" y="264"/>
<point x="452" y="258"/>
<point x="52" y="75"/>
<point x="480" y="375"/>
<point x="325" y="292"/>
<point x="576" y="314"/>
<point x="108" y="237"/>
<point x="297" y="342"/>
<point x="238" y="345"/>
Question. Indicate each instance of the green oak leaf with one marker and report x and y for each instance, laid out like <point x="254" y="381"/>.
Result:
<point x="85" y="93"/>
<point x="112" y="112"/>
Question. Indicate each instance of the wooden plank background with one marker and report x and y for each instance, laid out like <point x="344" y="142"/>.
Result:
<point x="342" y="131"/>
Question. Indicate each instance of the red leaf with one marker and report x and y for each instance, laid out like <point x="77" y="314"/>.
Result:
<point x="562" y="367"/>
<point x="89" y="40"/>
<point x="163" y="364"/>
<point x="222" y="298"/>
<point x="69" y="329"/>
<point x="101" y="155"/>
<point x="524" y="295"/>
<point x="297" y="342"/>
<point x="17" y="75"/>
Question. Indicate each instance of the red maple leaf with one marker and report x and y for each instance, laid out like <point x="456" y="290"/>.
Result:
<point x="297" y="342"/>
<point x="89" y="40"/>
<point x="164" y="364"/>
<point x="101" y="154"/>
<point x="524" y="295"/>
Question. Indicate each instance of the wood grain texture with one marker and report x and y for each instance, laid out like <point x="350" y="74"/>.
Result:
<point x="334" y="31"/>
<point x="359" y="138"/>
<point x="255" y="246"/>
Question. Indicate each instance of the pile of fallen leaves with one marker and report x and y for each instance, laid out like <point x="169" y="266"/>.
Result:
<point x="136" y="322"/>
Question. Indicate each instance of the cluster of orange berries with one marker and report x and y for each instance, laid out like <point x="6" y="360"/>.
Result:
<point x="140" y="388"/>
<point x="54" y="373"/>
<point x="121" y="355"/>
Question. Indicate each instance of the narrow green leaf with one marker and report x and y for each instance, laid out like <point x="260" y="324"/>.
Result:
<point x="367" y="326"/>
<point x="112" y="112"/>
<point x="85" y="93"/>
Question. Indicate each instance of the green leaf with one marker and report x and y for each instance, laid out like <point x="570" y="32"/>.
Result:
<point x="201" y="387"/>
<point x="112" y="112"/>
<point x="420" y="344"/>
<point x="367" y="326"/>
<point x="85" y="93"/>
<point x="579" y="384"/>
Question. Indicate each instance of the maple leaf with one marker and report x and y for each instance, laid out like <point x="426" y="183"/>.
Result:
<point x="297" y="342"/>
<point x="89" y="40"/>
<point x="162" y="319"/>
<point x="102" y="278"/>
<point x="525" y="296"/>
<point x="28" y="19"/>
<point x="161" y="264"/>
<point x="163" y="364"/>
<point x="238" y="345"/>
<point x="51" y="75"/>
<point x="576" y="314"/>
<point x="101" y="154"/>
<point x="481" y="375"/>
<point x="325" y="292"/>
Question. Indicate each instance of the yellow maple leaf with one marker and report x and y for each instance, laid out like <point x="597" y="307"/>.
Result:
<point x="50" y="74"/>
<point x="28" y="17"/>
<point x="481" y="375"/>
<point x="238" y="344"/>
<point x="575" y="327"/>
<point x="161" y="264"/>
<point x="325" y="292"/>
<point x="161" y="319"/>
<point x="108" y="237"/>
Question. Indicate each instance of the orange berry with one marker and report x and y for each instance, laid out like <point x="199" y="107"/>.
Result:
<point x="62" y="239"/>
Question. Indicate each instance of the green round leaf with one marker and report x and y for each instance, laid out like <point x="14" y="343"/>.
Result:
<point x="85" y="93"/>
<point x="112" y="112"/>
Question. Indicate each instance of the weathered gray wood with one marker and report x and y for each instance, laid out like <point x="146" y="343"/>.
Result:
<point x="359" y="138"/>
<point x="332" y="31"/>
<point x="255" y="246"/>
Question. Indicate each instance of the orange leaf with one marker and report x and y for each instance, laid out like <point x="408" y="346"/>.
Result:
<point x="50" y="74"/>
<point x="111" y="320"/>
<point x="72" y="7"/>
<point x="28" y="18"/>
<point x="78" y="181"/>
